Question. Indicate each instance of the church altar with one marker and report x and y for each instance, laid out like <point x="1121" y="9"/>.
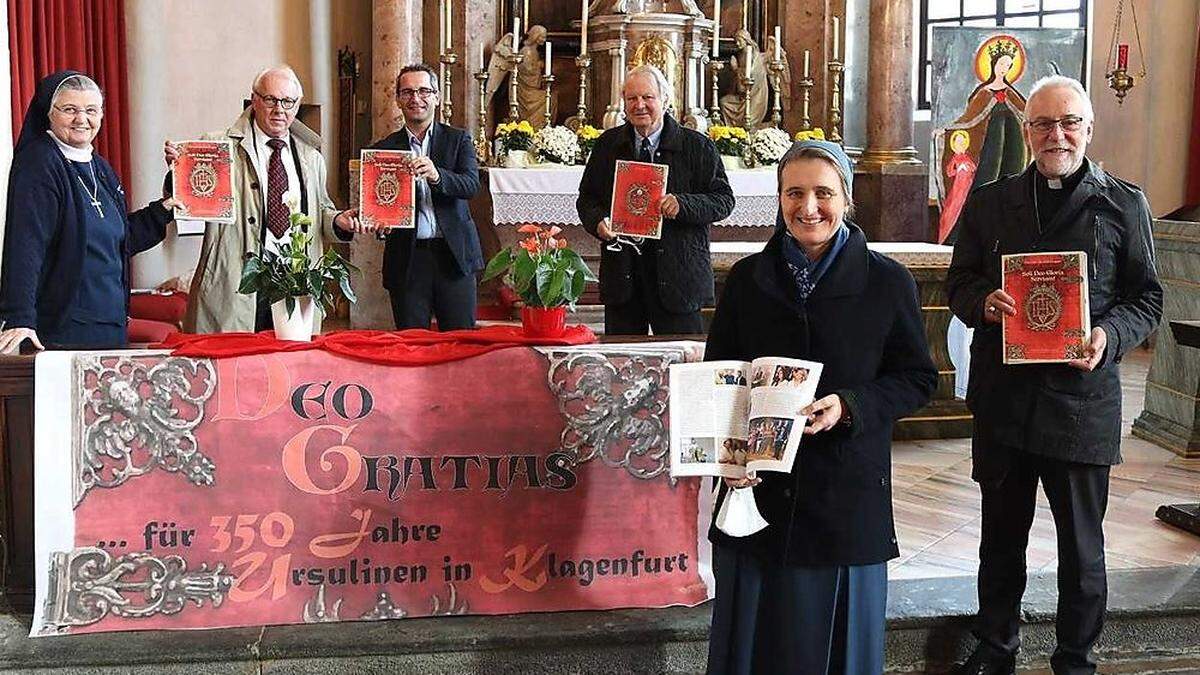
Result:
<point x="547" y="195"/>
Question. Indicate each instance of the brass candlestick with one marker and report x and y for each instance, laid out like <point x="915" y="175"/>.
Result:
<point x="747" y="83"/>
<point x="514" y="62"/>
<point x="447" y="59"/>
<point x="835" y="103"/>
<point x="548" y="84"/>
<point x="584" y="61"/>
<point x="776" y="74"/>
<point x="483" y="147"/>
<point x="714" y="107"/>
<point x="806" y="85"/>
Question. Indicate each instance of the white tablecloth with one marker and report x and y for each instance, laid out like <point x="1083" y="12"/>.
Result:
<point x="548" y="196"/>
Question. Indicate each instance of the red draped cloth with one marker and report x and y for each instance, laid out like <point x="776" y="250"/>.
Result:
<point x="45" y="36"/>
<point x="414" y="347"/>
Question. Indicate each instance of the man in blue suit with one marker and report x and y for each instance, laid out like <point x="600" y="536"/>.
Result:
<point x="430" y="271"/>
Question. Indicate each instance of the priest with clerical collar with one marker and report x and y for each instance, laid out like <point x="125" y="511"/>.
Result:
<point x="1057" y="423"/>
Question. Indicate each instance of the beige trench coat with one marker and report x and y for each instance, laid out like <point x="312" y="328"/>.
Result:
<point x="214" y="305"/>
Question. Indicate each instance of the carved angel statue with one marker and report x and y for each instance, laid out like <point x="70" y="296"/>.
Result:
<point x="531" y="97"/>
<point x="733" y="107"/>
<point x="785" y="75"/>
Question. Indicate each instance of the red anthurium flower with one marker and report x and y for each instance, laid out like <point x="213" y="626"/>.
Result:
<point x="530" y="245"/>
<point x="562" y="243"/>
<point x="529" y="228"/>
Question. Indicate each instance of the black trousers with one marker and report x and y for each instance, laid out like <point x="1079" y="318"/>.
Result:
<point x="1078" y="497"/>
<point x="435" y="288"/>
<point x="644" y="310"/>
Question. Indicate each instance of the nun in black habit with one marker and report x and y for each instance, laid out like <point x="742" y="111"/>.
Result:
<point x="68" y="239"/>
<point x="806" y="593"/>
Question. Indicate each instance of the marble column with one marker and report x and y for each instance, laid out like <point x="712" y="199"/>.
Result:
<point x="397" y="29"/>
<point x="890" y="190"/>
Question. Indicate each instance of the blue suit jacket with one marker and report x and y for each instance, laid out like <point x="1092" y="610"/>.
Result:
<point x="454" y="156"/>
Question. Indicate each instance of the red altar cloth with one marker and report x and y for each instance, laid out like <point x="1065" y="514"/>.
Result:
<point x="413" y="347"/>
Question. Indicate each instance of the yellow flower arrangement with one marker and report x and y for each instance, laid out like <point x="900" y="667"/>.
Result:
<point x="729" y="140"/>
<point x="515" y="135"/>
<point x="811" y="135"/>
<point x="587" y="135"/>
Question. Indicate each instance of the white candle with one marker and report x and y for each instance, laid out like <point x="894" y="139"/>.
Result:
<point x="481" y="66"/>
<point x="777" y="43"/>
<point x="746" y="58"/>
<point x="450" y="25"/>
<point x="583" y="30"/>
<point x="716" y="45"/>
<point x="525" y="15"/>
<point x="516" y="34"/>
<point x="806" y="57"/>
<point x="837" y="32"/>
<point x="442" y="27"/>
<point x="547" y="58"/>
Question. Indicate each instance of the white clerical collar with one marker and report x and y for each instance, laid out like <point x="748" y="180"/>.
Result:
<point x="71" y="152"/>
<point x="1054" y="183"/>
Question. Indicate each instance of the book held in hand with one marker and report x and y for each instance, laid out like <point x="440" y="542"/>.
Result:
<point x="202" y="181"/>
<point x="1052" y="324"/>
<point x="638" y="187"/>
<point x="732" y="418"/>
<point x="387" y="192"/>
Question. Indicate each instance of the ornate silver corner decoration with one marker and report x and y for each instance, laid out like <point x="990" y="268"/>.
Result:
<point x="614" y="400"/>
<point x="315" y="610"/>
<point x="384" y="608"/>
<point x="137" y="414"/>
<point x="88" y="584"/>
<point x="453" y="605"/>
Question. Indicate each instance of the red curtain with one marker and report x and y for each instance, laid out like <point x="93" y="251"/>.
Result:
<point x="84" y="35"/>
<point x="1193" y="185"/>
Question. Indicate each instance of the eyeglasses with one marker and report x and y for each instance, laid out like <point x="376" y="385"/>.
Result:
<point x="423" y="92"/>
<point x="72" y="111"/>
<point x="271" y="101"/>
<point x="1069" y="124"/>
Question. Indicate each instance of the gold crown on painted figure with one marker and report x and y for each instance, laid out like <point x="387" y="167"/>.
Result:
<point x="1003" y="48"/>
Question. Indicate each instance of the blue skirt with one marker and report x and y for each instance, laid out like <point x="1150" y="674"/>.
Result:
<point x="773" y="618"/>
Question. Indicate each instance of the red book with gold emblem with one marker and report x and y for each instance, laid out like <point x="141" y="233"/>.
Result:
<point x="202" y="181"/>
<point x="387" y="193"/>
<point x="637" y="189"/>
<point x="1053" y="323"/>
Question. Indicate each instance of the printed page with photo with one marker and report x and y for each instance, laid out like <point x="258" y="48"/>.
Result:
<point x="710" y="406"/>
<point x="732" y="417"/>
<point x="779" y="389"/>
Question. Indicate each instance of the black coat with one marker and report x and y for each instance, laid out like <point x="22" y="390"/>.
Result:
<point x="1053" y="409"/>
<point x="697" y="179"/>
<point x="863" y="322"/>
<point x="454" y="156"/>
<point x="45" y="237"/>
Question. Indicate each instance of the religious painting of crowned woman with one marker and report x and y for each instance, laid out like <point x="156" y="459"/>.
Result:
<point x="993" y="145"/>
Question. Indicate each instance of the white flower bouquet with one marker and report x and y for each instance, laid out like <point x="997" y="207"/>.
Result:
<point x="556" y="144"/>
<point x="768" y="145"/>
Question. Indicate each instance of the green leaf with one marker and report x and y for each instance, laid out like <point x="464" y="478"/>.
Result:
<point x="498" y="264"/>
<point x="578" y="281"/>
<point x="523" y="270"/>
<point x="544" y="275"/>
<point x="554" y="290"/>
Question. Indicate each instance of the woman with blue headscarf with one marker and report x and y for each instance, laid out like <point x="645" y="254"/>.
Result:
<point x="68" y="238"/>
<point x="807" y="593"/>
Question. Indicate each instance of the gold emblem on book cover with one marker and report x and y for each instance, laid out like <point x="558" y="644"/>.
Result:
<point x="387" y="188"/>
<point x="1043" y="307"/>
<point x="637" y="199"/>
<point x="203" y="179"/>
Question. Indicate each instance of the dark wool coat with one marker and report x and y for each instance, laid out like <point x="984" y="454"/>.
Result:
<point x="454" y="156"/>
<point x="44" y="236"/>
<point x="697" y="178"/>
<point x="863" y="322"/>
<point x="1054" y="410"/>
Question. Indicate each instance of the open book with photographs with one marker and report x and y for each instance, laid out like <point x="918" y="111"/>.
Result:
<point x="732" y="418"/>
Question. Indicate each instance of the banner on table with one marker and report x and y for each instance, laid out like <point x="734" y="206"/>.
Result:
<point x="295" y="487"/>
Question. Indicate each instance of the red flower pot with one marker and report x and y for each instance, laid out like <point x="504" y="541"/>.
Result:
<point x="544" y="322"/>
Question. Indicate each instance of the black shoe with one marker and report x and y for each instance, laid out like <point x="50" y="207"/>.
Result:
<point x="987" y="660"/>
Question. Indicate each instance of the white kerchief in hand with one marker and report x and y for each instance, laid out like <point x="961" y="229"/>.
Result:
<point x="739" y="516"/>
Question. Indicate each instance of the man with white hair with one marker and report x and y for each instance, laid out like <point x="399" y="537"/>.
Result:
<point x="276" y="161"/>
<point x="656" y="284"/>
<point x="1059" y="424"/>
